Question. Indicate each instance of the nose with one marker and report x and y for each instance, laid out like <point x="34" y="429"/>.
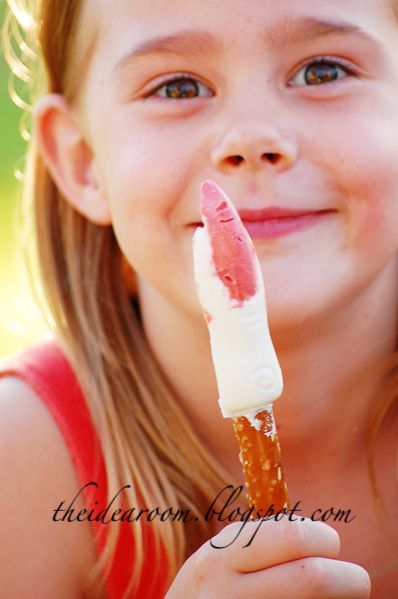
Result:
<point x="254" y="146"/>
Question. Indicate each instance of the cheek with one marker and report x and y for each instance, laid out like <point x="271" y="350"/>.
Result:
<point x="152" y="168"/>
<point x="373" y="207"/>
<point x="147" y="183"/>
<point x="374" y="233"/>
<point x="366" y="173"/>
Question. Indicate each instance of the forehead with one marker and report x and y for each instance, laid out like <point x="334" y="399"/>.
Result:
<point x="119" y="27"/>
<point x="120" y="24"/>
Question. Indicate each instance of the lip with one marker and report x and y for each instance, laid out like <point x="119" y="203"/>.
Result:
<point x="256" y="215"/>
<point x="274" y="222"/>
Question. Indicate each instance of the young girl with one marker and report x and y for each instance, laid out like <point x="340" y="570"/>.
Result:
<point x="289" y="106"/>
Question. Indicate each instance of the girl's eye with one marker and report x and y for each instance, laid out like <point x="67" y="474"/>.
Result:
<point x="321" y="71"/>
<point x="181" y="88"/>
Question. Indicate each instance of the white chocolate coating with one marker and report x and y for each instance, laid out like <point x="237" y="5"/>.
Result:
<point x="247" y="369"/>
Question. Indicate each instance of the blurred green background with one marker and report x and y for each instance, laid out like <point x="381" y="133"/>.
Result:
<point x="20" y="318"/>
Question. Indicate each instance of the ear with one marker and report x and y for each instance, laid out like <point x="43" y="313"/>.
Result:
<point x="69" y="158"/>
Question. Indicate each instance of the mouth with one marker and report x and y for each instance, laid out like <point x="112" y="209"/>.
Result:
<point x="274" y="222"/>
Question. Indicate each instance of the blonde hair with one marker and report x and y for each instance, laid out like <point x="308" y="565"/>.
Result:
<point x="146" y="439"/>
<point x="139" y="422"/>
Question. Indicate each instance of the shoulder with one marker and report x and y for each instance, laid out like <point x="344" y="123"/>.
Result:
<point x="37" y="555"/>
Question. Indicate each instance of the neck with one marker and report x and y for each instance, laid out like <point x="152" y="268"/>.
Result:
<point x="328" y="367"/>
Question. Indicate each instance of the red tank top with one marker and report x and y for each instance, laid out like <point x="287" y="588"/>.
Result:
<point x="46" y="370"/>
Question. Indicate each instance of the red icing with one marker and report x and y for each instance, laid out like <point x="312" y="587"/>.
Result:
<point x="208" y="316"/>
<point x="233" y="251"/>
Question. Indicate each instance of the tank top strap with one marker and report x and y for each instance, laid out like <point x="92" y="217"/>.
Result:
<point x="47" y="371"/>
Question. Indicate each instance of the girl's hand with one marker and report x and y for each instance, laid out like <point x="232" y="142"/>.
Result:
<point x="285" y="560"/>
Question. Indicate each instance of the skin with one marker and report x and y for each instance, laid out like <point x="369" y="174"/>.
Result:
<point x="136" y="161"/>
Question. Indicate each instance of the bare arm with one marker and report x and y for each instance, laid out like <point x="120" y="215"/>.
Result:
<point x="38" y="557"/>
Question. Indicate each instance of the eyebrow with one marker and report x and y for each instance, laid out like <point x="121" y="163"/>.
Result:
<point x="194" y="42"/>
<point x="301" y="29"/>
<point x="189" y="42"/>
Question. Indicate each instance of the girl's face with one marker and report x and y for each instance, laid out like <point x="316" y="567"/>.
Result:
<point x="288" y="104"/>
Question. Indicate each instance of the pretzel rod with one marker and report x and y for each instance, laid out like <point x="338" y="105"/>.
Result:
<point x="261" y="461"/>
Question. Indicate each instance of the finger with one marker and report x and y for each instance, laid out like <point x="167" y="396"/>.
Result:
<point x="306" y="579"/>
<point x="260" y="545"/>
